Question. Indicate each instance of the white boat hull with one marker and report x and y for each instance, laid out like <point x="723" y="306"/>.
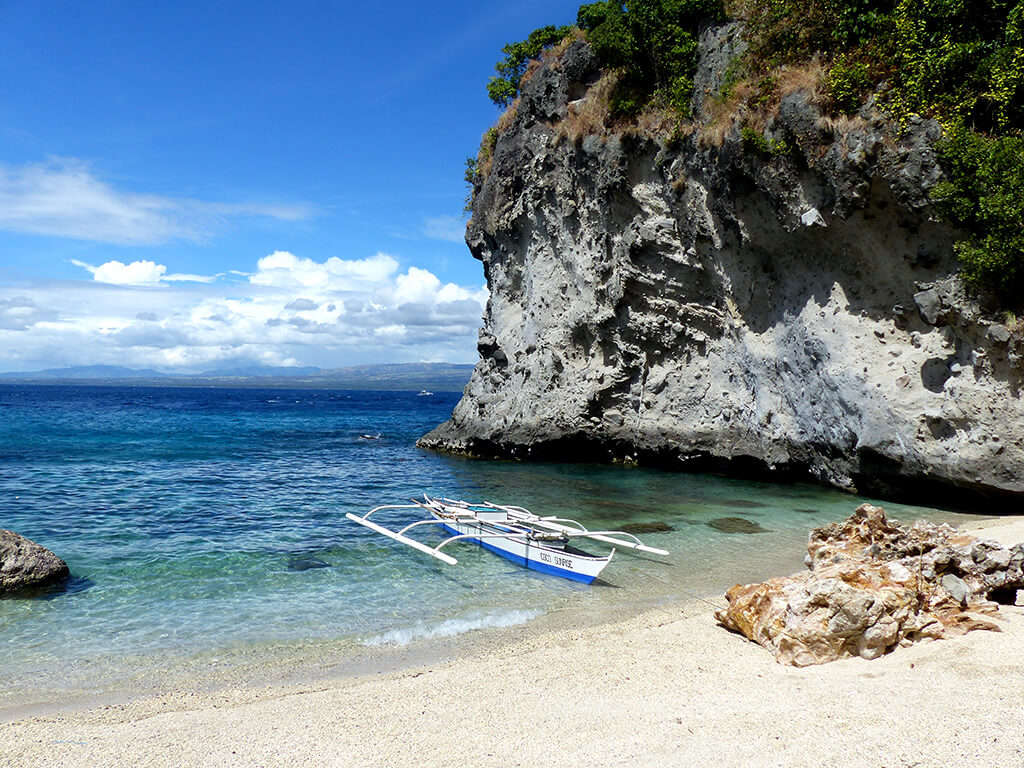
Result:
<point x="543" y="557"/>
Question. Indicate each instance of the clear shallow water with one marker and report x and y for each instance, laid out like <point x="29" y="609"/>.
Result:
<point x="208" y="524"/>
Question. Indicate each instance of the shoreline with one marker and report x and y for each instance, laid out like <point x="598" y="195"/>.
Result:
<point x="665" y="686"/>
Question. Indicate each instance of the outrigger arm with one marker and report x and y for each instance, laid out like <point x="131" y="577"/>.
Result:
<point x="418" y="545"/>
<point x="604" y="536"/>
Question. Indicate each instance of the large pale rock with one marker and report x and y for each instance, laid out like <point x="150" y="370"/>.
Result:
<point x="874" y="584"/>
<point x="25" y="564"/>
<point x="664" y="301"/>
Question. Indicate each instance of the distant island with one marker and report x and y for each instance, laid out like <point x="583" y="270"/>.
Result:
<point x="435" y="377"/>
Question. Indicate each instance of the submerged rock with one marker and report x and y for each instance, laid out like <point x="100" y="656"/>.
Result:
<point x="306" y="563"/>
<point x="740" y="503"/>
<point x="872" y="585"/>
<point x="638" y="528"/>
<point x="736" y="525"/>
<point x="26" y="565"/>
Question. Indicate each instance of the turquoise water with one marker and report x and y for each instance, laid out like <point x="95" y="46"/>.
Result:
<point x="209" y="523"/>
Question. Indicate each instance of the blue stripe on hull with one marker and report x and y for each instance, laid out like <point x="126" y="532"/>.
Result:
<point x="534" y="565"/>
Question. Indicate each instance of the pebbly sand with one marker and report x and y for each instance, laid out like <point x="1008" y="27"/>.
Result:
<point x="666" y="688"/>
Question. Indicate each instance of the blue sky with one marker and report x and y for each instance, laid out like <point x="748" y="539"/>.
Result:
<point x="189" y="185"/>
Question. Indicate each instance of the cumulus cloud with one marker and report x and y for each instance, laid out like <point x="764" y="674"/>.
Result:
<point x="284" y="270"/>
<point x="20" y="313"/>
<point x="138" y="273"/>
<point x="118" y="273"/>
<point x="186" y="278"/>
<point x="291" y="310"/>
<point x="300" y="305"/>
<point x="64" y="198"/>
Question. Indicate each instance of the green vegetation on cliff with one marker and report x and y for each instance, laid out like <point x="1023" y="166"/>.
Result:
<point x="653" y="43"/>
<point x="504" y="87"/>
<point x="958" y="61"/>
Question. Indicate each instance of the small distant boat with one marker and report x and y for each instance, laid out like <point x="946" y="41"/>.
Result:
<point x="370" y="437"/>
<point x="424" y="393"/>
<point x="541" y="544"/>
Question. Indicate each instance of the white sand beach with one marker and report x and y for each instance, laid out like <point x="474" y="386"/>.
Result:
<point x="666" y="688"/>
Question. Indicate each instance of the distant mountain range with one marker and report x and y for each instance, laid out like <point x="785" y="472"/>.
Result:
<point x="435" y="377"/>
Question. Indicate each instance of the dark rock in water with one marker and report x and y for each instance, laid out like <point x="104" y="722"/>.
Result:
<point x="736" y="525"/>
<point x="619" y="507"/>
<point x="806" y="511"/>
<point x="306" y="563"/>
<point x="637" y="528"/>
<point x="740" y="503"/>
<point x="26" y="565"/>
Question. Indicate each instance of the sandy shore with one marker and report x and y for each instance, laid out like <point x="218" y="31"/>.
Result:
<point x="667" y="688"/>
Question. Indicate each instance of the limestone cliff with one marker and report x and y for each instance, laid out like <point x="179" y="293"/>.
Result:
<point x="713" y="305"/>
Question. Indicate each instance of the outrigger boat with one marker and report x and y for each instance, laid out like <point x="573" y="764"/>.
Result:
<point x="539" y="543"/>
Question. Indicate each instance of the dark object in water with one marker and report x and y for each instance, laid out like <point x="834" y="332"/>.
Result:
<point x="72" y="586"/>
<point x="740" y="503"/>
<point x="736" y="525"/>
<point x="305" y="563"/>
<point x="657" y="527"/>
<point x="806" y="511"/>
<point x="26" y="565"/>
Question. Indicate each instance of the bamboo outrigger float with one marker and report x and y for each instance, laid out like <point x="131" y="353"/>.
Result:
<point x="539" y="543"/>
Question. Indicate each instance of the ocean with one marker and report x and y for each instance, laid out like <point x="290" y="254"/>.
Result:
<point x="206" y="535"/>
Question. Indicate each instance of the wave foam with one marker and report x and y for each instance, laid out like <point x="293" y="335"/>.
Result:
<point x="452" y="627"/>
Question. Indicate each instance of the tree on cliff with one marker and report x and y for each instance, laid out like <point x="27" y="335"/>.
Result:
<point x="653" y="42"/>
<point x="504" y="87"/>
<point x="958" y="61"/>
<point x="961" y="62"/>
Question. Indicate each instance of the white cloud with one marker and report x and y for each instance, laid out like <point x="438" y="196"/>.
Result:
<point x="138" y="273"/>
<point x="18" y="313"/>
<point x="64" y="199"/>
<point x="450" y="228"/>
<point x="417" y="286"/>
<point x="118" y="273"/>
<point x="284" y="270"/>
<point x="291" y="310"/>
<point x="302" y="305"/>
<point x="186" y="278"/>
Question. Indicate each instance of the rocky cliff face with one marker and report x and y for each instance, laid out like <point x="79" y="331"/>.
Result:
<point x="707" y="305"/>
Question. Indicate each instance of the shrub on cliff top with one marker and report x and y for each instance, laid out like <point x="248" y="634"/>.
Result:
<point x="984" y="192"/>
<point x="959" y="61"/>
<point x="503" y="88"/>
<point x="653" y="42"/>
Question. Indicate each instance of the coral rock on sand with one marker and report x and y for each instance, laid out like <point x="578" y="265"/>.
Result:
<point x="874" y="584"/>
<point x="25" y="564"/>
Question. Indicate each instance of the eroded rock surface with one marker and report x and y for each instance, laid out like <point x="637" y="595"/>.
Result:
<point x="26" y="565"/>
<point x="698" y="303"/>
<point x="874" y="584"/>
